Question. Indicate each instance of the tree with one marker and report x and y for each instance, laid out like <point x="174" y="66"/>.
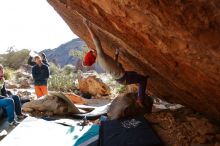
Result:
<point x="14" y="59"/>
<point x="79" y="53"/>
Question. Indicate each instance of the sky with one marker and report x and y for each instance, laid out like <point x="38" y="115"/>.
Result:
<point x="31" y="24"/>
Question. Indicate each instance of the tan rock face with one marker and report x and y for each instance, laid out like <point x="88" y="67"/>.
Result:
<point x="176" y="43"/>
<point x="93" y="86"/>
<point x="48" y="104"/>
<point x="24" y="83"/>
<point x="124" y="106"/>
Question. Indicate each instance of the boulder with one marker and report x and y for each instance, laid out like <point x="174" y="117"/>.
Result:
<point x="11" y="85"/>
<point x="48" y="103"/>
<point x="93" y="86"/>
<point x="184" y="126"/>
<point x="53" y="104"/>
<point x="124" y="106"/>
<point x="26" y="95"/>
<point x="176" y="43"/>
<point x="23" y="83"/>
<point x="23" y="74"/>
<point x="23" y="79"/>
<point x="75" y="98"/>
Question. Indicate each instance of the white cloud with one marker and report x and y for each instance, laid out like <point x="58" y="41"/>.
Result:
<point x="31" y="24"/>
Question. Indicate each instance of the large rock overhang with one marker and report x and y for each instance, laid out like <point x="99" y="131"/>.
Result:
<point x="176" y="43"/>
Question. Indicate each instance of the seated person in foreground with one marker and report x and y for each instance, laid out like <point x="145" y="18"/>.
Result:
<point x="10" y="103"/>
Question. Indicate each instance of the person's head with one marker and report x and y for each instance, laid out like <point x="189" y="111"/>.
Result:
<point x="1" y="70"/>
<point x="38" y="60"/>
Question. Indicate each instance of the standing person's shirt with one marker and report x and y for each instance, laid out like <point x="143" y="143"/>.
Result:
<point x="40" y="74"/>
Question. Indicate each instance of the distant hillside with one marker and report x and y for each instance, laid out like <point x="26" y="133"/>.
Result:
<point x="61" y="55"/>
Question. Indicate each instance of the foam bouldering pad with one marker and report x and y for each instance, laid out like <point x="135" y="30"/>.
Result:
<point x="95" y="113"/>
<point x="66" y="99"/>
<point x="90" y="138"/>
<point x="38" y="132"/>
<point x="128" y="132"/>
<point x="81" y="111"/>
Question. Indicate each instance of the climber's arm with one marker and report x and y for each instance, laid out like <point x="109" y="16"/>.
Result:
<point x="106" y="62"/>
<point x="94" y="38"/>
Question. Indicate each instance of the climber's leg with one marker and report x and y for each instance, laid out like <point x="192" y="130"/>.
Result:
<point x="132" y="77"/>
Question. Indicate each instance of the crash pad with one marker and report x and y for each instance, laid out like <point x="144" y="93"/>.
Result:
<point x="91" y="112"/>
<point x="95" y="113"/>
<point x="128" y="132"/>
<point x="90" y="138"/>
<point x="80" y="111"/>
<point x="39" y="132"/>
<point x="68" y="100"/>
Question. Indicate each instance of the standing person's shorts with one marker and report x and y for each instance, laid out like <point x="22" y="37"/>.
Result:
<point x="41" y="90"/>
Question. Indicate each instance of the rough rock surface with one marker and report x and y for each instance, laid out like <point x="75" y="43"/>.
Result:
<point x="21" y="80"/>
<point x="124" y="106"/>
<point x="10" y="85"/>
<point x="93" y="86"/>
<point x="23" y="74"/>
<point x="176" y="42"/>
<point x="50" y="105"/>
<point x="24" y="83"/>
<point x="26" y="95"/>
<point x="184" y="127"/>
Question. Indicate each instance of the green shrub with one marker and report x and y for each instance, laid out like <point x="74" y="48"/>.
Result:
<point x="121" y="88"/>
<point x="54" y="69"/>
<point x="14" y="59"/>
<point x="62" y="82"/>
<point x="8" y="73"/>
<point x="62" y="79"/>
<point x="79" y="53"/>
<point x="68" y="69"/>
